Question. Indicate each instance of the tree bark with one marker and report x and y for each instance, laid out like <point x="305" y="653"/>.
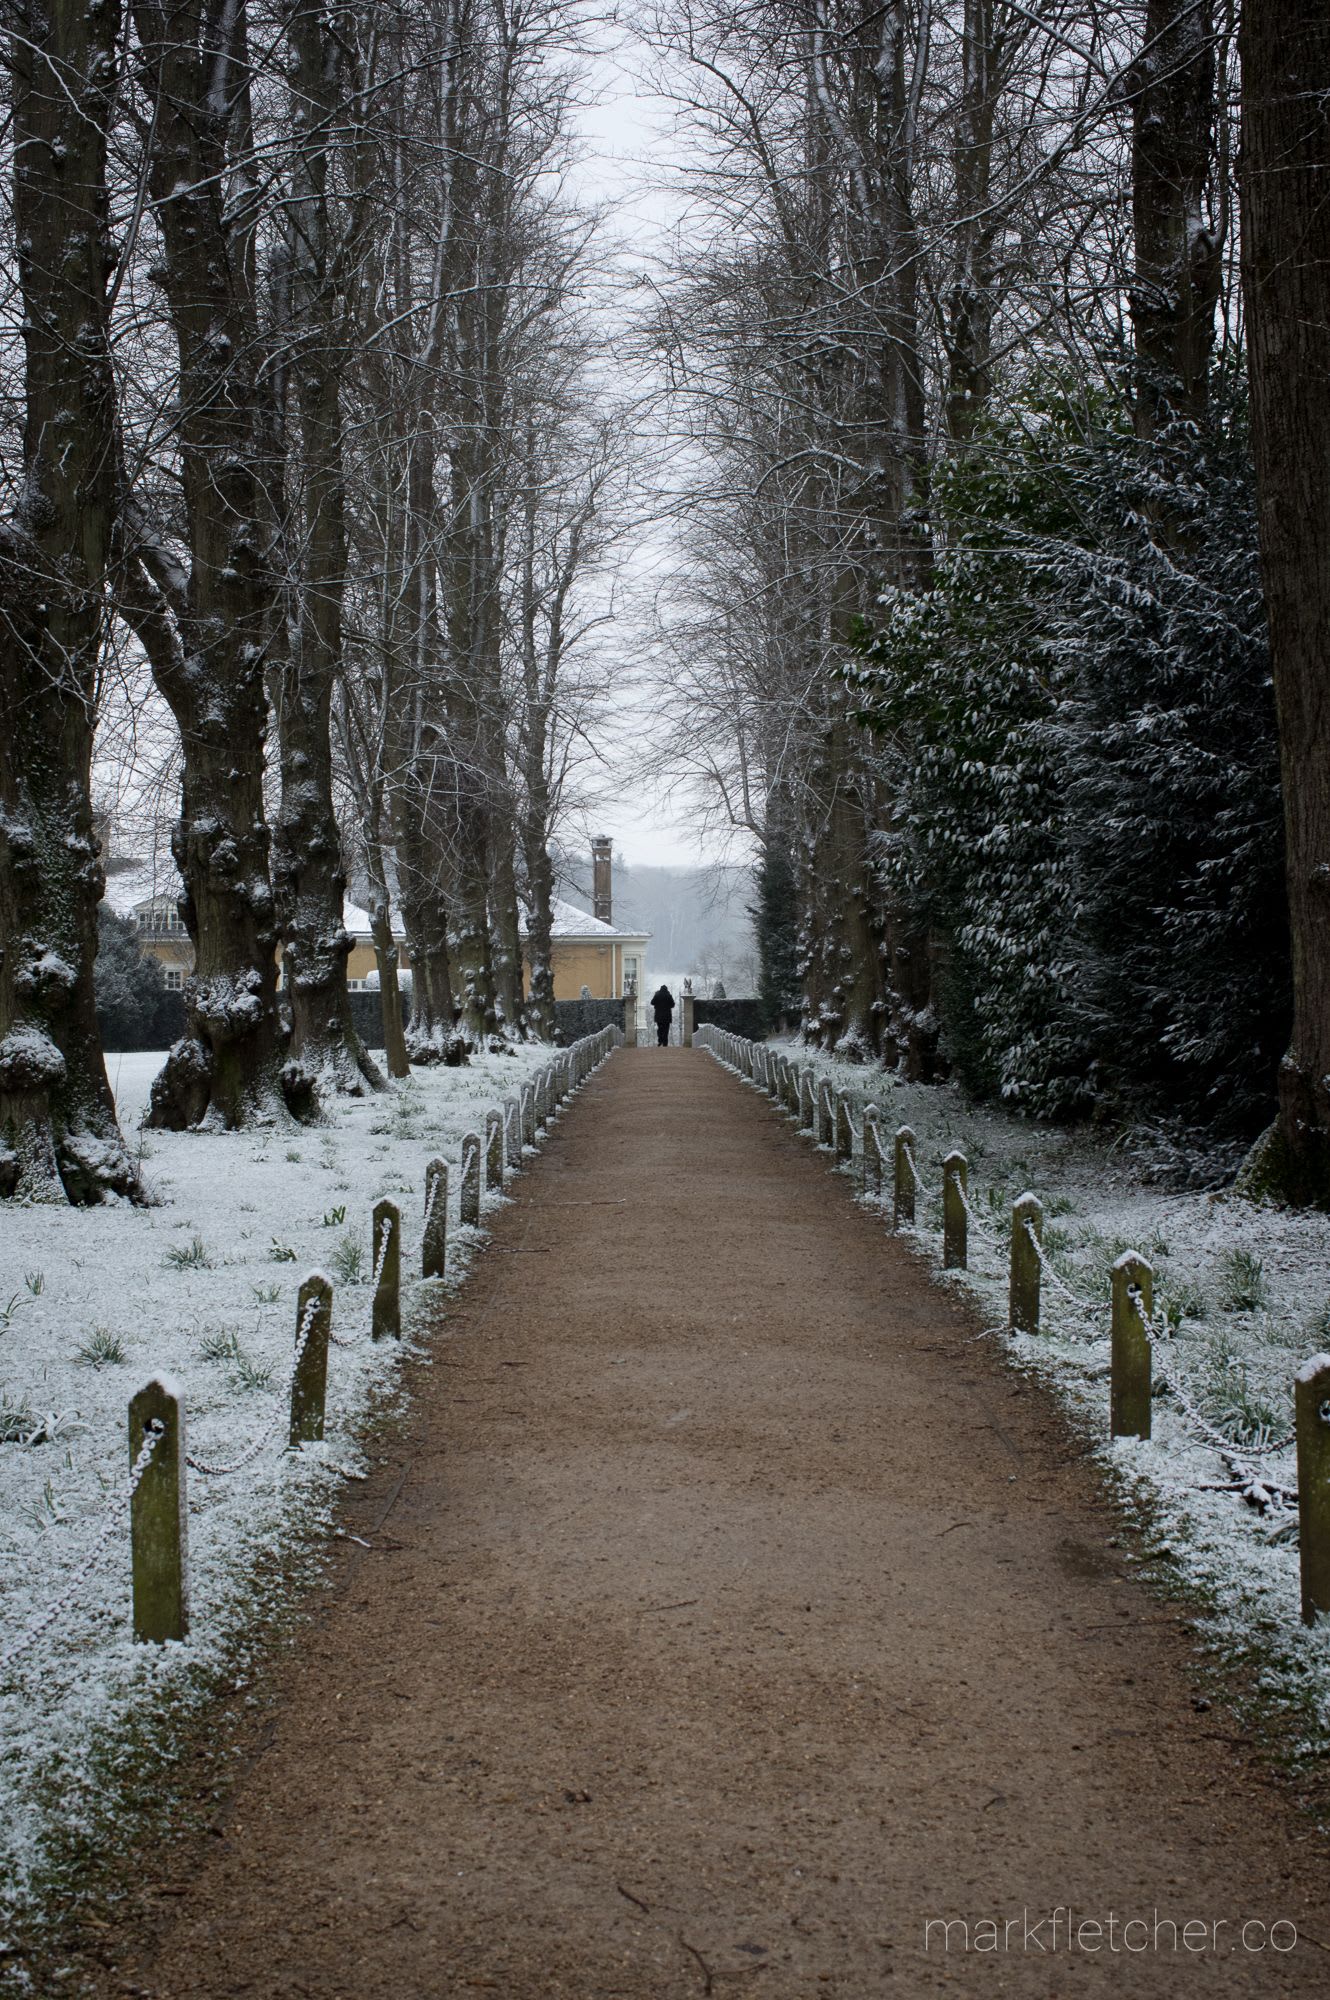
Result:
<point x="208" y="632"/>
<point x="308" y="876"/>
<point x="1175" y="286"/>
<point x="59" y="1139"/>
<point x="1285" y="51"/>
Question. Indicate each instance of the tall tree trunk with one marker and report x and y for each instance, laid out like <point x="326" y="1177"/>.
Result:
<point x="59" y="1139"/>
<point x="969" y="313"/>
<point x="308" y="875"/>
<point x="1285" y="50"/>
<point x="1175" y="286"/>
<point x="208" y="633"/>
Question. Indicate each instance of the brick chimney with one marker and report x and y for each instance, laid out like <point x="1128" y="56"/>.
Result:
<point x="602" y="900"/>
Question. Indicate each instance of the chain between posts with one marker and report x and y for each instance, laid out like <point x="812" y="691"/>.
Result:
<point x="114" y="1501"/>
<point x="1059" y="1283"/>
<point x="1208" y="1433"/>
<point x="928" y="1193"/>
<point x="206" y="1470"/>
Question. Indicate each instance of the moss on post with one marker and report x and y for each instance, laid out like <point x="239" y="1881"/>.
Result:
<point x="1027" y="1228"/>
<point x="825" y="1116"/>
<point x="955" y="1220"/>
<point x="158" y="1515"/>
<point x="386" y="1241"/>
<point x="902" y="1198"/>
<point x="1311" y="1403"/>
<point x="470" y="1191"/>
<point x="872" y="1152"/>
<point x="434" y="1237"/>
<point x="309" y="1380"/>
<point x="1130" y="1392"/>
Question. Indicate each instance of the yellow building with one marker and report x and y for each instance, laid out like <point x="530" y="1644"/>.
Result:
<point x="587" y="951"/>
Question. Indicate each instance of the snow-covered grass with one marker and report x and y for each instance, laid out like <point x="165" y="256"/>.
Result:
<point x="202" y="1284"/>
<point x="1245" y="1292"/>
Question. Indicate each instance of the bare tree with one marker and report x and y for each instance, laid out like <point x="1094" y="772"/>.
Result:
<point x="206" y="604"/>
<point x="58" y="1133"/>
<point x="1285" y="50"/>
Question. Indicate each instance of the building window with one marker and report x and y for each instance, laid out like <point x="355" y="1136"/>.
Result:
<point x="160" y="919"/>
<point x="173" y="978"/>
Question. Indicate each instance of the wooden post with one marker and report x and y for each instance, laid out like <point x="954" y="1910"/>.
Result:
<point x="434" y="1241"/>
<point x="158" y="1515"/>
<point x="872" y="1153"/>
<point x="688" y="1020"/>
<point x="494" y="1149"/>
<point x="792" y="1087"/>
<point x="1027" y="1215"/>
<point x="955" y="1221"/>
<point x="386" y="1315"/>
<point x="1129" y="1398"/>
<point x="902" y="1192"/>
<point x="1311" y="1416"/>
<point x="528" y="1115"/>
<point x="774" y="1061"/>
<point x="309" y="1382"/>
<point x="844" y="1128"/>
<point x="825" y="1131"/>
<point x="470" y="1196"/>
<point x="807" y="1113"/>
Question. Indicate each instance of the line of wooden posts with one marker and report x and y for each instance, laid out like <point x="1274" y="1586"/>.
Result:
<point x="158" y="1508"/>
<point x="827" y="1116"/>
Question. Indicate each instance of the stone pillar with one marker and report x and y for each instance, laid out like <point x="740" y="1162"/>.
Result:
<point x="688" y="1020"/>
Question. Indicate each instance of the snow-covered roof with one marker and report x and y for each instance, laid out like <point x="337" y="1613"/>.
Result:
<point x="356" y="921"/>
<point x="130" y="886"/>
<point x="570" y="922"/>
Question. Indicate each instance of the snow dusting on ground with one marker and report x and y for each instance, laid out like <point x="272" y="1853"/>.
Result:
<point x="1244" y="1291"/>
<point x="202" y="1285"/>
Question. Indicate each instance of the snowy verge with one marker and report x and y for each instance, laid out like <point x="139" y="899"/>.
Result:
<point x="1241" y="1304"/>
<point x="201" y="1286"/>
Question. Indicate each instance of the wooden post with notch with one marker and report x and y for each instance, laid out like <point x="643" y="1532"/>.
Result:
<point x="309" y="1378"/>
<point x="1027" y="1223"/>
<point x="386" y="1313"/>
<point x="434" y="1237"/>
<point x="1130" y="1387"/>
<point x="902" y="1193"/>
<point x="955" y="1220"/>
<point x="1311" y="1416"/>
<point x="872" y="1151"/>
<point x="470" y="1187"/>
<point x="158" y="1515"/>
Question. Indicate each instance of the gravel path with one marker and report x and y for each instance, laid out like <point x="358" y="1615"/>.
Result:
<point x="730" y="1613"/>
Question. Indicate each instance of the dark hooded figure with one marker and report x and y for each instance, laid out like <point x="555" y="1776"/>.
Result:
<point x="662" y="1006"/>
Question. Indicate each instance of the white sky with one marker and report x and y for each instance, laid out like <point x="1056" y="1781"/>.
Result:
<point x="629" y="145"/>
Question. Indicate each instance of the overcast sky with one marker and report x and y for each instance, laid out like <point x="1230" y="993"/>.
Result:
<point x="629" y="147"/>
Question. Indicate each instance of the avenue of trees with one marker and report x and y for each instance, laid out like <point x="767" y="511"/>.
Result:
<point x="300" y="419"/>
<point x="995" y="358"/>
<point x="1000" y="353"/>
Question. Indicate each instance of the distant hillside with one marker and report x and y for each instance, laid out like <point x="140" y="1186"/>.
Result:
<point x="698" y="919"/>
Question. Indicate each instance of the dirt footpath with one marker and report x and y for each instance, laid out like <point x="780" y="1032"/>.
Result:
<point x="731" y="1613"/>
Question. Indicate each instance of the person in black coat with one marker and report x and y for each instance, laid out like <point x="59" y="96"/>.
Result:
<point x="662" y="1006"/>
